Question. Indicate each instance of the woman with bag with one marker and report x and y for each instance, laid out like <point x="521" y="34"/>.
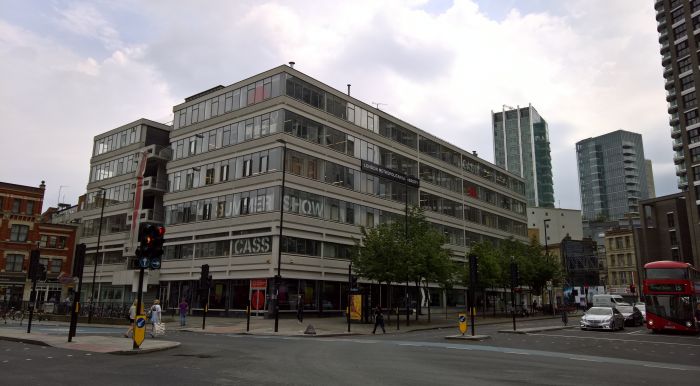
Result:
<point x="155" y="318"/>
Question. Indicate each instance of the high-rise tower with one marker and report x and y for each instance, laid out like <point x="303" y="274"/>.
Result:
<point x="521" y="146"/>
<point x="677" y="21"/>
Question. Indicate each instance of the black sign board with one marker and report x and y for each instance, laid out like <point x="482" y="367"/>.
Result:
<point x="666" y="287"/>
<point x="381" y="171"/>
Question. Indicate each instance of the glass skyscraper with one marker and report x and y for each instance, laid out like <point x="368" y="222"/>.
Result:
<point x="521" y="146"/>
<point x="612" y="175"/>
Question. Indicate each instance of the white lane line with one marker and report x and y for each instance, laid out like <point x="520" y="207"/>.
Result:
<point x="28" y="359"/>
<point x="515" y="352"/>
<point x="621" y="340"/>
<point x="410" y="344"/>
<point x="585" y="359"/>
<point x="49" y="357"/>
<point x="665" y="367"/>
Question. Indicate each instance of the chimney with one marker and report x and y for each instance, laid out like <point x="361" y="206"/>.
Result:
<point x="43" y="185"/>
<point x="348" y="89"/>
<point x="291" y="64"/>
<point x="475" y="153"/>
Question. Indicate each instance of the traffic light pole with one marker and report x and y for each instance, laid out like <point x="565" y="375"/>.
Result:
<point x="349" y="296"/>
<point x="32" y="300"/>
<point x="206" y="308"/>
<point x="74" y="310"/>
<point x="139" y="299"/>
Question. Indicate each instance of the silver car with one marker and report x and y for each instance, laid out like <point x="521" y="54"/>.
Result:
<point x="602" y="318"/>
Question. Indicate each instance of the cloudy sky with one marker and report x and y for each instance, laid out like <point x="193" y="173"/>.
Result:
<point x="71" y="70"/>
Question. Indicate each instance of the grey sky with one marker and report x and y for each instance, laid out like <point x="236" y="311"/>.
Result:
<point x="72" y="70"/>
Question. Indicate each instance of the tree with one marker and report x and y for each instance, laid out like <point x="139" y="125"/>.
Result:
<point x="377" y="254"/>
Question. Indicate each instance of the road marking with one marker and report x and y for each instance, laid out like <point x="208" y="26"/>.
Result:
<point x="515" y="352"/>
<point x="634" y="332"/>
<point x="666" y="367"/>
<point x="585" y="359"/>
<point x="410" y="344"/>
<point x="28" y="359"/>
<point x="618" y="339"/>
<point x="49" y="357"/>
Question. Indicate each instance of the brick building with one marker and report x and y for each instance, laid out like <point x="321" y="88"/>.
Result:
<point x="21" y="231"/>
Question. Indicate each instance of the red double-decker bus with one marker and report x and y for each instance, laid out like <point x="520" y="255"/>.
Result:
<point x="672" y="296"/>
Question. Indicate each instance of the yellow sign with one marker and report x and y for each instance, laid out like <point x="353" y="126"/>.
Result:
<point x="462" y="323"/>
<point x="139" y="329"/>
<point x="356" y="307"/>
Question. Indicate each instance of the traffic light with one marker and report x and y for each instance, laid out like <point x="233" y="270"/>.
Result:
<point x="514" y="274"/>
<point x="473" y="269"/>
<point x="204" y="278"/>
<point x="353" y="283"/>
<point x="79" y="261"/>
<point x="41" y="272"/>
<point x="157" y="247"/>
<point x="34" y="265"/>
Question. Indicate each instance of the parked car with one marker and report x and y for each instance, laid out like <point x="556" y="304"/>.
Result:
<point x="633" y="317"/>
<point x="643" y="309"/>
<point x="602" y="318"/>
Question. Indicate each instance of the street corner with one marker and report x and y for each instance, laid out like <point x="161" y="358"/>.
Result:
<point x="25" y="338"/>
<point x="468" y="337"/>
<point x="148" y="347"/>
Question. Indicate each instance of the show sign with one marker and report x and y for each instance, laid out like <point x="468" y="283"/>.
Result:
<point x="261" y="244"/>
<point x="381" y="171"/>
<point x="305" y="206"/>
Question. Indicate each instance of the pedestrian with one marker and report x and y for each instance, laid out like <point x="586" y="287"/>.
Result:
<point x="564" y="317"/>
<point x="183" y="311"/>
<point x="155" y="316"/>
<point x="131" y="316"/>
<point x="378" y="319"/>
<point x="534" y="306"/>
<point x="300" y="309"/>
<point x="67" y="304"/>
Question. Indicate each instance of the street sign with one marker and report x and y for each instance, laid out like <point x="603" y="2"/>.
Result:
<point x="139" y="329"/>
<point x="155" y="264"/>
<point x="462" y="323"/>
<point x="143" y="262"/>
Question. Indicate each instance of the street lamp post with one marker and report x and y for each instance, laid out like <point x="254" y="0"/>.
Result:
<point x="546" y="254"/>
<point x="97" y="251"/>
<point x="408" y="305"/>
<point x="278" y="277"/>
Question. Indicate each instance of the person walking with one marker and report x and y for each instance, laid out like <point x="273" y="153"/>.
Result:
<point x="378" y="319"/>
<point x="183" y="312"/>
<point x="131" y="317"/>
<point x="155" y="316"/>
<point x="300" y="309"/>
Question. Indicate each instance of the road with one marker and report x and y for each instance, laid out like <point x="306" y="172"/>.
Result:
<point x="570" y="357"/>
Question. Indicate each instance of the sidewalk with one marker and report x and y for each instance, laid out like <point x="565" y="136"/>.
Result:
<point x="90" y="343"/>
<point x="334" y="326"/>
<point x="322" y="327"/>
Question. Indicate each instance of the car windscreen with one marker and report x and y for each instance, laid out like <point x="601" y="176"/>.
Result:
<point x="599" y="311"/>
<point x="625" y="309"/>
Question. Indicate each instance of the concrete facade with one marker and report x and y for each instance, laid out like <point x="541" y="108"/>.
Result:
<point x="559" y="223"/>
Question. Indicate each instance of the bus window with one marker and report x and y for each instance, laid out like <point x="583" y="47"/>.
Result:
<point x="666" y="273"/>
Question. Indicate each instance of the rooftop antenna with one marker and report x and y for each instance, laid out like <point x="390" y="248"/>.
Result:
<point x="59" y="193"/>
<point x="378" y="104"/>
<point x="291" y="64"/>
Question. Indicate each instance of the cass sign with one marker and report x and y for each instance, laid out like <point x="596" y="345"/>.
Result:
<point x="252" y="245"/>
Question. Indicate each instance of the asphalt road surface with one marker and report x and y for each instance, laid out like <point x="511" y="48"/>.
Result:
<point x="566" y="357"/>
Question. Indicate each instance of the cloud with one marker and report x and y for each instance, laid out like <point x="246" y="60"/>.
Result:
<point x="441" y="67"/>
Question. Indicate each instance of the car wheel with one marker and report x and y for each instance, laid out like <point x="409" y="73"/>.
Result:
<point x="622" y="326"/>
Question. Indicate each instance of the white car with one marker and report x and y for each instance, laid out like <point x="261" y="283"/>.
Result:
<point x="602" y="318"/>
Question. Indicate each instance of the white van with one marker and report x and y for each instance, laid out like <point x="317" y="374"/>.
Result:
<point x="608" y="300"/>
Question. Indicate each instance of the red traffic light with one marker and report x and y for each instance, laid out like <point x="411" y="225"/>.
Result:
<point x="161" y="231"/>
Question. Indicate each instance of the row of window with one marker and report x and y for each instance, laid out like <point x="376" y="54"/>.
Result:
<point x="456" y="209"/>
<point x="230" y="101"/>
<point x="226" y="170"/>
<point x="118" y="140"/>
<point x="18" y="206"/>
<point x="228" y="135"/>
<point x="19" y="233"/>
<point x="393" y="131"/>
<point x="113" y="168"/>
<point x="114" y="195"/>
<point x="110" y="224"/>
<point x="53" y="241"/>
<point x="15" y="263"/>
<point x="621" y="260"/>
<point x="231" y="205"/>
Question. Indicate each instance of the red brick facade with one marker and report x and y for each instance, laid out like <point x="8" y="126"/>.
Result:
<point x="21" y="231"/>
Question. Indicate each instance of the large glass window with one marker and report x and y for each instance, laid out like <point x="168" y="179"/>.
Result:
<point x="676" y="308"/>
<point x="666" y="273"/>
